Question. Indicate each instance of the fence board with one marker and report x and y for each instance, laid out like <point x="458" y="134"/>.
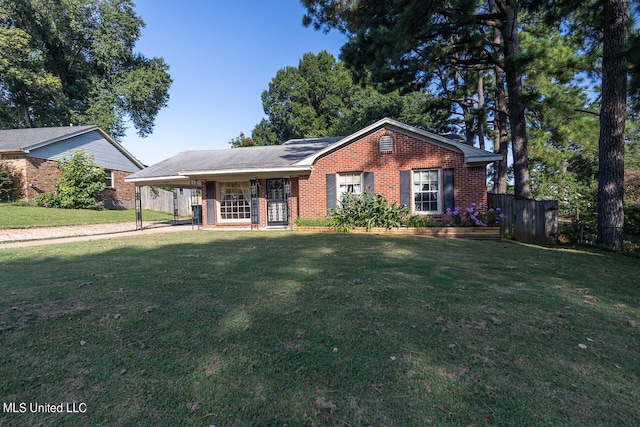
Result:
<point x="161" y="200"/>
<point x="528" y="221"/>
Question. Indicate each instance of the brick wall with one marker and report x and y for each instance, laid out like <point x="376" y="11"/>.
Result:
<point x="121" y="194"/>
<point x="40" y="176"/>
<point x="308" y="192"/>
<point x="408" y="153"/>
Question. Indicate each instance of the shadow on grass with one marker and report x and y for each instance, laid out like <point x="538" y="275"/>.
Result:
<point x="278" y="328"/>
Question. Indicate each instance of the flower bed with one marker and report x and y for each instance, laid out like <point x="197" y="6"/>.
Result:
<point x="365" y="213"/>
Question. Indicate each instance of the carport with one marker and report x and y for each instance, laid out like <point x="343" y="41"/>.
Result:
<point x="166" y="175"/>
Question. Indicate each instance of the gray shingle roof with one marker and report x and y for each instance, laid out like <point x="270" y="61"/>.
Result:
<point x="24" y="139"/>
<point x="273" y="156"/>
<point x="292" y="156"/>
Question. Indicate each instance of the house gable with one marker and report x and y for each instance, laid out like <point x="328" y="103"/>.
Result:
<point x="32" y="155"/>
<point x="472" y="156"/>
<point x="56" y="143"/>
<point x="105" y="154"/>
<point x="389" y="171"/>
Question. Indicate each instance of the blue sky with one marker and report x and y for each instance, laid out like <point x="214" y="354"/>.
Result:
<point x="222" y="56"/>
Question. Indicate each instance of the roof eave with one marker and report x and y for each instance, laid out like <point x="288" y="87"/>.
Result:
<point x="93" y="128"/>
<point x="79" y="131"/>
<point x="281" y="170"/>
<point x="477" y="161"/>
<point x="470" y="157"/>
<point x="156" y="179"/>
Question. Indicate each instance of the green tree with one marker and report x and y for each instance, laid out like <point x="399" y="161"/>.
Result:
<point x="416" y="108"/>
<point x="79" y="186"/>
<point x="241" y="141"/>
<point x="304" y="101"/>
<point x="73" y="62"/>
<point x="415" y="44"/>
<point x="562" y="121"/>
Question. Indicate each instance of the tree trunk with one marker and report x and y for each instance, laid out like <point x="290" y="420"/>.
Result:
<point x="516" y="106"/>
<point x="501" y="125"/>
<point x="502" y="135"/>
<point x="480" y="110"/>
<point x="612" y="125"/>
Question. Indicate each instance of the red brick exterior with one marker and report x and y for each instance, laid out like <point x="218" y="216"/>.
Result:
<point x="308" y="192"/>
<point x="40" y="176"/>
<point x="408" y="153"/>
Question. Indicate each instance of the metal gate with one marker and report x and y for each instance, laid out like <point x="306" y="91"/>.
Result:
<point x="277" y="203"/>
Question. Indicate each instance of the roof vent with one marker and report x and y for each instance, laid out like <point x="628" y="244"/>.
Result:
<point x="386" y="144"/>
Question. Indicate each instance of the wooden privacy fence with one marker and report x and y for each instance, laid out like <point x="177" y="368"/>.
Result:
<point x="160" y="200"/>
<point x="528" y="221"/>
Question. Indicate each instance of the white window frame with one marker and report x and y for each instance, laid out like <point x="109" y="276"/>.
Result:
<point x="416" y="181"/>
<point x="245" y="192"/>
<point x="109" y="178"/>
<point x="345" y="179"/>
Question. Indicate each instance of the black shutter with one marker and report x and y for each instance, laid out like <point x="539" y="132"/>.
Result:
<point x="367" y="182"/>
<point x="211" y="212"/>
<point x="405" y="189"/>
<point x="448" y="187"/>
<point x="331" y="191"/>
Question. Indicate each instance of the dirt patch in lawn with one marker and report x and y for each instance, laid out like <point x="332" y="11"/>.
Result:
<point x="22" y="314"/>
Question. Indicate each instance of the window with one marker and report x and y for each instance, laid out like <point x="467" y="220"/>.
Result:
<point x="349" y="183"/>
<point x="426" y="191"/>
<point x="234" y="201"/>
<point x="109" y="174"/>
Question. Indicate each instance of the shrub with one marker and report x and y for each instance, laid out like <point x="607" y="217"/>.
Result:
<point x="81" y="182"/>
<point x="366" y="210"/>
<point x="9" y="184"/>
<point x="312" y="222"/>
<point x="419" y="221"/>
<point x="47" y="200"/>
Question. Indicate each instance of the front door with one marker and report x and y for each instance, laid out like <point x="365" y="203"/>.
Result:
<point x="277" y="206"/>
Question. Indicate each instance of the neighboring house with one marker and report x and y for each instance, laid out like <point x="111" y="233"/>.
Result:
<point x="32" y="155"/>
<point x="271" y="186"/>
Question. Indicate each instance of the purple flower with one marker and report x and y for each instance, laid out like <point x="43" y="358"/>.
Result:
<point x="491" y="210"/>
<point x="456" y="212"/>
<point x="501" y="216"/>
<point x="473" y="204"/>
<point x="498" y="209"/>
<point x="469" y="210"/>
<point x="479" y="223"/>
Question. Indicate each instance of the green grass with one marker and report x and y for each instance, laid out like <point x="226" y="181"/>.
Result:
<point x="239" y="328"/>
<point x="16" y="216"/>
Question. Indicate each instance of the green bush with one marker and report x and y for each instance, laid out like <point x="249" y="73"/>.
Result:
<point x="47" y="200"/>
<point x="420" y="221"/>
<point x="9" y="184"/>
<point x="312" y="222"/>
<point x="81" y="182"/>
<point x="78" y="187"/>
<point x="366" y="210"/>
<point x="632" y="219"/>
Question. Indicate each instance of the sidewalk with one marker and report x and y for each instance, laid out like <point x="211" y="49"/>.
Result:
<point x="21" y="237"/>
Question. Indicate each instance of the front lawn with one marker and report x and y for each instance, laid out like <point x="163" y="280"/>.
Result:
<point x="277" y="328"/>
<point x="16" y="216"/>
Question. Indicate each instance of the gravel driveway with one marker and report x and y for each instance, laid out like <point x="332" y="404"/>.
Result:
<point x="21" y="237"/>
